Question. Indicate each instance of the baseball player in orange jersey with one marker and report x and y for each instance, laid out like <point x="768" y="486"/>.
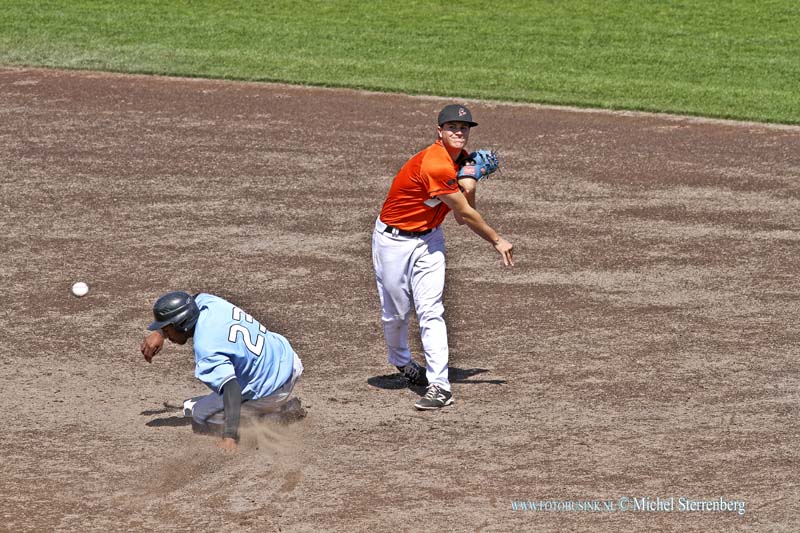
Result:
<point x="408" y="251"/>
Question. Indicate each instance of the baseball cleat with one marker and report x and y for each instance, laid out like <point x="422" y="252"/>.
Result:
<point x="188" y="405"/>
<point x="207" y="429"/>
<point x="414" y="374"/>
<point x="293" y="410"/>
<point x="435" y="398"/>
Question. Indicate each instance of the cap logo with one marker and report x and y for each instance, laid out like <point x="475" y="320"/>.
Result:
<point x="461" y="112"/>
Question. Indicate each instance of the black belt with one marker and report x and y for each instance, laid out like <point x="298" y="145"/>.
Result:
<point x="404" y="233"/>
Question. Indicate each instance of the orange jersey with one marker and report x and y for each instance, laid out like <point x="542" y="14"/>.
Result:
<point x="411" y="204"/>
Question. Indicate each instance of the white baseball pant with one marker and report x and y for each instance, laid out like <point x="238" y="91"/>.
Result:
<point x="410" y="270"/>
<point x="210" y="409"/>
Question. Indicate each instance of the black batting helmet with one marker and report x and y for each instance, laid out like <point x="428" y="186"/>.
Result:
<point x="177" y="308"/>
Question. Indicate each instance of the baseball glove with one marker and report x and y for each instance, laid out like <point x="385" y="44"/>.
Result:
<point x="479" y="164"/>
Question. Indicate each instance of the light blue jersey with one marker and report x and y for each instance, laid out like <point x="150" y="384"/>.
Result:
<point x="229" y="343"/>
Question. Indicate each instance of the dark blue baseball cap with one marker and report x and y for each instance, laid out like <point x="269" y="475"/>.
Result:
<point x="456" y="113"/>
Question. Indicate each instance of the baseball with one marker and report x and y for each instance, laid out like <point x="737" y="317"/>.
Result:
<point x="79" y="288"/>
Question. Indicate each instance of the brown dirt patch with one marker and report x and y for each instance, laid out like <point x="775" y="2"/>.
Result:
<point x="644" y="346"/>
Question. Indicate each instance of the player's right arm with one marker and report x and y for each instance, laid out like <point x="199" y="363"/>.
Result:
<point x="467" y="186"/>
<point x="152" y="344"/>
<point x="463" y="211"/>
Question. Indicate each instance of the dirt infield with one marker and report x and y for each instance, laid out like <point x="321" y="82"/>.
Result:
<point x="645" y="346"/>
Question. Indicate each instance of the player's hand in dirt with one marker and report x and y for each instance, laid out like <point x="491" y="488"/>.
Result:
<point x="228" y="444"/>
<point x="505" y="249"/>
<point x="151" y="345"/>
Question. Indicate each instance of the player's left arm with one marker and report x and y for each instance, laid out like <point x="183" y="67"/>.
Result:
<point x="232" y="403"/>
<point x="216" y="370"/>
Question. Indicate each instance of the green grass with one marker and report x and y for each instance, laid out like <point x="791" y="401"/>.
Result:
<point x="729" y="58"/>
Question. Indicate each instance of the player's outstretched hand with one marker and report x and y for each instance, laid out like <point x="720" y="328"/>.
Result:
<point x="506" y="251"/>
<point x="151" y="345"/>
<point x="228" y="444"/>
